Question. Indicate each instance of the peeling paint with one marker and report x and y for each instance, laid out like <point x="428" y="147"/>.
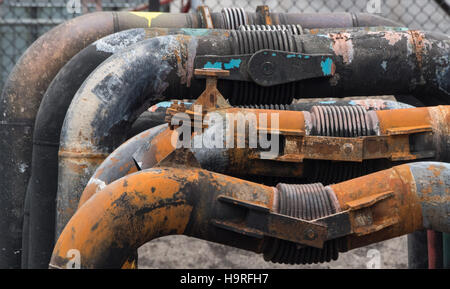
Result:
<point x="120" y="40"/>
<point x="343" y="46"/>
<point x="100" y="185"/>
<point x="393" y="37"/>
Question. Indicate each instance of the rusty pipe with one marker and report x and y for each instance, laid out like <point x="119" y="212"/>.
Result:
<point x="175" y="78"/>
<point x="41" y="191"/>
<point x="156" y="202"/>
<point x="392" y="136"/>
<point x="20" y="100"/>
<point x="156" y="149"/>
<point x="119" y="163"/>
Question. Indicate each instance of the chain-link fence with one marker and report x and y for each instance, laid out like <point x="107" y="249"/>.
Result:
<point x="21" y="22"/>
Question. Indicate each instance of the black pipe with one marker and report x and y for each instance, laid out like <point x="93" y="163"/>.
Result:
<point x="42" y="186"/>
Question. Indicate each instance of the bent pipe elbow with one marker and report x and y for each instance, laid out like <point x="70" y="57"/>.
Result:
<point x="147" y="205"/>
<point x="49" y="119"/>
<point x="20" y="100"/>
<point x="119" y="163"/>
<point x="157" y="202"/>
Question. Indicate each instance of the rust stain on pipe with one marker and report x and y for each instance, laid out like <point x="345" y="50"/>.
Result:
<point x="143" y="206"/>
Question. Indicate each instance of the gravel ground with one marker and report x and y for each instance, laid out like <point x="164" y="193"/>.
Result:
<point x="181" y="252"/>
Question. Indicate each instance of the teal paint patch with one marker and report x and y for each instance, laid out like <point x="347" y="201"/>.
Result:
<point x="274" y="54"/>
<point x="290" y="56"/>
<point x="328" y="102"/>
<point x="307" y="57"/>
<point x="384" y="65"/>
<point x="352" y="102"/>
<point x="169" y="103"/>
<point x="196" y="32"/>
<point x="215" y="65"/>
<point x="234" y="63"/>
<point x="327" y="66"/>
<point x="164" y="104"/>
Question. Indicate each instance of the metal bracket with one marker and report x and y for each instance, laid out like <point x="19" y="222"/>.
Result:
<point x="264" y="12"/>
<point x="205" y="14"/>
<point x="270" y="67"/>
<point x="211" y="99"/>
<point x="260" y="221"/>
<point x="395" y="146"/>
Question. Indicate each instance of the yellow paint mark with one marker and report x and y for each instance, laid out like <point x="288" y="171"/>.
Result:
<point x="148" y="15"/>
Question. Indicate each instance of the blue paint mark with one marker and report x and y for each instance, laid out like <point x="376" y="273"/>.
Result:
<point x="216" y="65"/>
<point x="196" y="32"/>
<point x="290" y="55"/>
<point x="384" y="65"/>
<point x="274" y="54"/>
<point x="164" y="104"/>
<point x="234" y="63"/>
<point x="169" y="103"/>
<point x="351" y="102"/>
<point x="327" y="66"/>
<point x="328" y="102"/>
<point x="307" y="56"/>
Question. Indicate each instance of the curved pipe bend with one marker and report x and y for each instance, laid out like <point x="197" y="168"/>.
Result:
<point x="42" y="187"/>
<point x="20" y="101"/>
<point x="157" y="202"/>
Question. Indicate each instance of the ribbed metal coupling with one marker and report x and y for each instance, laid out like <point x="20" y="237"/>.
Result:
<point x="248" y="42"/>
<point x="267" y="106"/>
<point x="234" y="17"/>
<point x="294" y="29"/>
<point x="341" y="121"/>
<point x="308" y="202"/>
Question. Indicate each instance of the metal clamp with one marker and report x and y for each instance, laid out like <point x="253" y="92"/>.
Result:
<point x="205" y="15"/>
<point x="260" y="221"/>
<point x="270" y="67"/>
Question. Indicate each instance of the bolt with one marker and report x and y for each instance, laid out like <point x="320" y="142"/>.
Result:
<point x="267" y="68"/>
<point x="348" y="148"/>
<point x="310" y="234"/>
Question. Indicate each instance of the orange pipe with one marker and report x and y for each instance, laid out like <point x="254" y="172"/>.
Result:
<point x="157" y="202"/>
